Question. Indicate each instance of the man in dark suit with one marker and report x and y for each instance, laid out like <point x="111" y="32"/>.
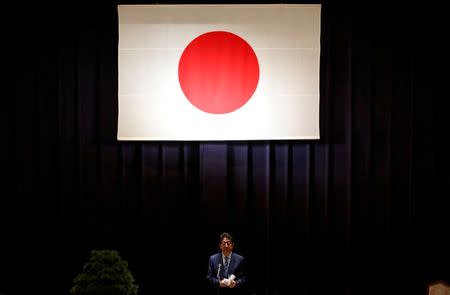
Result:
<point x="226" y="269"/>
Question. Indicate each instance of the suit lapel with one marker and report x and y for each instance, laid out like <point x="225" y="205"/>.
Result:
<point x="220" y="262"/>
<point x="231" y="265"/>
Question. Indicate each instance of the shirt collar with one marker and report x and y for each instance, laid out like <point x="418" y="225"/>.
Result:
<point x="229" y="255"/>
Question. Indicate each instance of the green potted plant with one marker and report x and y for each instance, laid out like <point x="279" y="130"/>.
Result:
<point x="105" y="273"/>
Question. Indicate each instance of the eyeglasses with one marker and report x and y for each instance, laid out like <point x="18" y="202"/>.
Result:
<point x="223" y="243"/>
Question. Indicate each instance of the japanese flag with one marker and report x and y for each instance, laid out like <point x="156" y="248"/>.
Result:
<point x="218" y="72"/>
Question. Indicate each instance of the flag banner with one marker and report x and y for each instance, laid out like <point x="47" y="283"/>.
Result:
<point x="218" y="72"/>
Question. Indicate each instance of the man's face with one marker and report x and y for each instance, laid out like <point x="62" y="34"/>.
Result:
<point x="226" y="246"/>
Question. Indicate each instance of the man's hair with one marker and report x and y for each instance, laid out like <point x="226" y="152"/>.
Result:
<point x="225" y="235"/>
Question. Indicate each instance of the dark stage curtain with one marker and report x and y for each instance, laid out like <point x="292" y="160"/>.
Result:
<point x="363" y="210"/>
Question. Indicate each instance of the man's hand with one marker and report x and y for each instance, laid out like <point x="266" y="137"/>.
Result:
<point x="223" y="283"/>
<point x="232" y="283"/>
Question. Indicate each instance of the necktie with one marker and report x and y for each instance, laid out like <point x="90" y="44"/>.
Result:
<point x="225" y="265"/>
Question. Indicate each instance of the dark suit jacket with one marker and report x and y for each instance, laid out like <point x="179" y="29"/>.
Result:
<point x="236" y="267"/>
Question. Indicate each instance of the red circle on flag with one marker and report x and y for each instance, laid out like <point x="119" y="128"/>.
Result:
<point x="218" y="72"/>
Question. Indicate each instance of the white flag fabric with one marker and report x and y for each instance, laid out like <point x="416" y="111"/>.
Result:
<point x="218" y="72"/>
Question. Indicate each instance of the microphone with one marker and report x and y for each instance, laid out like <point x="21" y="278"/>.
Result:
<point x="218" y="271"/>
